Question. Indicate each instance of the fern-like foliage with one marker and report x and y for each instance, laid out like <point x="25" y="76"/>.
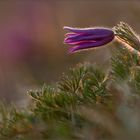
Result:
<point x="123" y="62"/>
<point x="84" y="86"/>
<point x="15" y="124"/>
<point x="127" y="35"/>
<point x="86" y="83"/>
<point x="126" y="59"/>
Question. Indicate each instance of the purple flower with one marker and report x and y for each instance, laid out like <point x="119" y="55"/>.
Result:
<point x="85" y="38"/>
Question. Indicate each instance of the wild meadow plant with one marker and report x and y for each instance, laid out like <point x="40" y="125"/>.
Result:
<point x="88" y="103"/>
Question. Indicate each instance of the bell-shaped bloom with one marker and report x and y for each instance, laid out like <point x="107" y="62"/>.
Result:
<point x="86" y="38"/>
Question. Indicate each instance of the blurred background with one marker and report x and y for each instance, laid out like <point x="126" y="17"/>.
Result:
<point x="31" y="39"/>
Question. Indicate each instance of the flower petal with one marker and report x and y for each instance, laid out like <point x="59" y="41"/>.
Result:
<point x="81" y="42"/>
<point x="90" y="45"/>
<point x="84" y="38"/>
<point x="70" y="34"/>
<point x="96" y="31"/>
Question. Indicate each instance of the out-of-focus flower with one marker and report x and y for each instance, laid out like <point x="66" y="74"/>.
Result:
<point x="85" y="38"/>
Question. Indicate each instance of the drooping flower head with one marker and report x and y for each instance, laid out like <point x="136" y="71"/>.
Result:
<point x="85" y="38"/>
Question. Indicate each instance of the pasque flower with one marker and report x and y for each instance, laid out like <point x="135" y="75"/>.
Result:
<point x="86" y="38"/>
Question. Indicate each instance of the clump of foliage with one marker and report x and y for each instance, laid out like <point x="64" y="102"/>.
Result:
<point x="86" y="104"/>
